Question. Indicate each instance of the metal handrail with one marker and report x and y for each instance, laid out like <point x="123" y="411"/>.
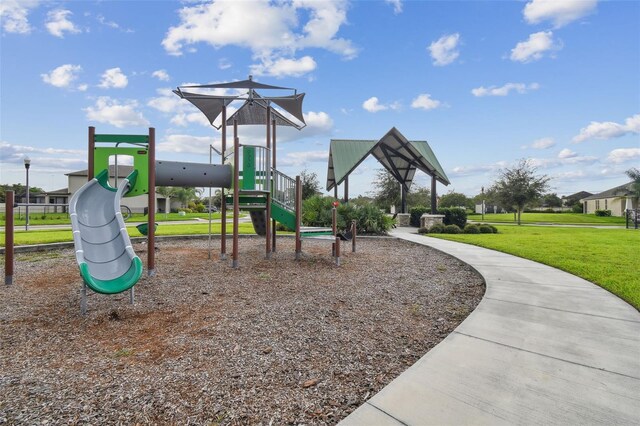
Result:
<point x="284" y="190"/>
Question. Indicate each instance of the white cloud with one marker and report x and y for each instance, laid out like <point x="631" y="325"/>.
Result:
<point x="112" y="24"/>
<point x="373" y="105"/>
<point x="559" y="12"/>
<point x="63" y="76"/>
<point x="542" y="143"/>
<point x="188" y="144"/>
<point x="14" y="15"/>
<point x="303" y="158"/>
<point x="161" y="75"/>
<point x="108" y="110"/>
<point x="397" y="5"/>
<point x="269" y="29"/>
<point x="113" y="77"/>
<point x="504" y="90"/>
<point x="183" y="119"/>
<point x="477" y="169"/>
<point x="282" y="67"/>
<point x="534" y="48"/>
<point x="444" y="50"/>
<point x="224" y="63"/>
<point x="58" y="23"/>
<point x="567" y="153"/>
<point x="424" y="101"/>
<point x="608" y="129"/>
<point x="318" y="123"/>
<point x="622" y="155"/>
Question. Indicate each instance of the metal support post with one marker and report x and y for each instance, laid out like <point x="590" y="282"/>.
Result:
<point x="151" y="217"/>
<point x="353" y="236"/>
<point x="298" y="217"/>
<point x="267" y="186"/>
<point x="223" y="203"/>
<point x="273" y="166"/>
<point x="236" y="192"/>
<point x="434" y="199"/>
<point x="8" y="237"/>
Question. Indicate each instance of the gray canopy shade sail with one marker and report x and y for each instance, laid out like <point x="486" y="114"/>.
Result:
<point x="398" y="155"/>
<point x="244" y="84"/>
<point x="253" y="110"/>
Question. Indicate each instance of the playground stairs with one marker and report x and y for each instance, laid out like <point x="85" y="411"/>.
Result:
<point x="258" y="180"/>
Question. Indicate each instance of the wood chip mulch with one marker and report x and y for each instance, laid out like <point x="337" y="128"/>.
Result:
<point x="273" y="342"/>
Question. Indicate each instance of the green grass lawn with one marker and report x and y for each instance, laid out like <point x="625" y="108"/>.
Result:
<point x="553" y="218"/>
<point x="607" y="257"/>
<point x="63" y="218"/>
<point x="55" y="236"/>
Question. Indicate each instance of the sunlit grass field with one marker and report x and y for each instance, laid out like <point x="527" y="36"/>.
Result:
<point x="46" y="236"/>
<point x="607" y="257"/>
<point x="550" y="218"/>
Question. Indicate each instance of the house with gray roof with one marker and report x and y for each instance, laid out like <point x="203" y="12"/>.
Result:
<point x="617" y="199"/>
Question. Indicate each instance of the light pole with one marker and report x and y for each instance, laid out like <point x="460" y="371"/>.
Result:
<point x="27" y="164"/>
<point x="483" y="203"/>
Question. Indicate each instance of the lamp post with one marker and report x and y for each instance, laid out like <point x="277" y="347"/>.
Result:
<point x="483" y="203"/>
<point x="27" y="164"/>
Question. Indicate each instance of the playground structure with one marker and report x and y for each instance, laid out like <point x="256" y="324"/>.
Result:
<point x="104" y="253"/>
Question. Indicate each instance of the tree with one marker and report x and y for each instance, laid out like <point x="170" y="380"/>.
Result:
<point x="455" y="199"/>
<point x="182" y="194"/>
<point x="387" y="190"/>
<point x="551" y="200"/>
<point x="419" y="196"/>
<point x="519" y="185"/>
<point x="19" y="191"/>
<point x="310" y="184"/>
<point x="634" y="175"/>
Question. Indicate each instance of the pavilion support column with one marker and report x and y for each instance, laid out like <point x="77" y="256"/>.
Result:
<point x="346" y="189"/>
<point x="403" y="199"/>
<point x="335" y="191"/>
<point x="434" y="198"/>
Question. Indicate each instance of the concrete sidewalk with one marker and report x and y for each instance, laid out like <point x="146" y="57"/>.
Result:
<point x="542" y="347"/>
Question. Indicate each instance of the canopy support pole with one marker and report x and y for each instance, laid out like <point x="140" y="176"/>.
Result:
<point x="434" y="199"/>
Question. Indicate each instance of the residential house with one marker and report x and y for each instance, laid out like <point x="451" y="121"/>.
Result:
<point x="616" y="199"/>
<point x="136" y="204"/>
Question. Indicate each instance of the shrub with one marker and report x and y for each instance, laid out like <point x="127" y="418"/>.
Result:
<point x="454" y="216"/>
<point x="185" y="210"/>
<point x="471" y="228"/>
<point x="423" y="231"/>
<point x="452" y="229"/>
<point x="316" y="211"/>
<point x="416" y="214"/>
<point x="576" y="208"/>
<point x="603" y="213"/>
<point x="436" y="228"/>
<point x="200" y="208"/>
<point x="485" y="229"/>
<point x="494" y="229"/>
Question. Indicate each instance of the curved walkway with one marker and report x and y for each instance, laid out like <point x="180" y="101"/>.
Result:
<point x="542" y="347"/>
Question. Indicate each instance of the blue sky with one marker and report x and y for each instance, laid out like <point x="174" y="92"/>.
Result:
<point x="485" y="83"/>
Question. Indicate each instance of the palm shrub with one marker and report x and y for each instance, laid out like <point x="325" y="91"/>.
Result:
<point x="316" y="211"/>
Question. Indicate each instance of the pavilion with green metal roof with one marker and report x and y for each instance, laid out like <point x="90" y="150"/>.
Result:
<point x="401" y="157"/>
